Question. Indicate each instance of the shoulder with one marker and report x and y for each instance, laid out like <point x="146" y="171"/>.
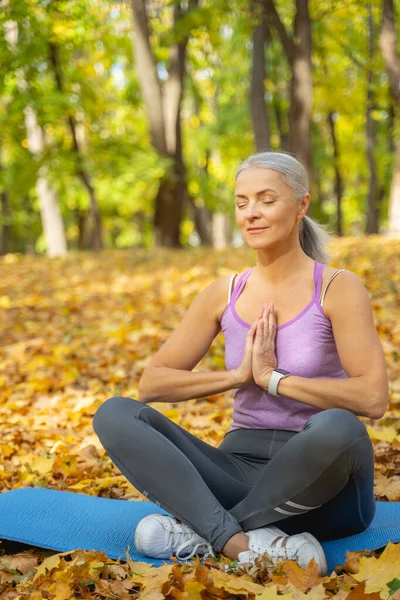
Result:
<point x="346" y="291"/>
<point x="215" y="295"/>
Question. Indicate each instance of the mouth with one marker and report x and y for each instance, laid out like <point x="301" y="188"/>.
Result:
<point x="256" y="229"/>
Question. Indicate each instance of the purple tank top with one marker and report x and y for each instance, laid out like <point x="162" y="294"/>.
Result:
<point x="305" y="346"/>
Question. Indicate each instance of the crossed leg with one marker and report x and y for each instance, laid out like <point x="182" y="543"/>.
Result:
<point x="320" y="481"/>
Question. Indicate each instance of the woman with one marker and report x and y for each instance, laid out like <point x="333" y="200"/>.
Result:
<point x="297" y="466"/>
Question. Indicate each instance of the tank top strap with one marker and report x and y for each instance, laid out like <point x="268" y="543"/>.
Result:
<point x="318" y="269"/>
<point x="240" y="285"/>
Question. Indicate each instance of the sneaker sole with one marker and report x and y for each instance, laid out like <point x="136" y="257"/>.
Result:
<point x="323" y="567"/>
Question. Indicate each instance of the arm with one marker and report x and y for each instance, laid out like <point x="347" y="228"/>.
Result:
<point x="365" y="392"/>
<point x="168" y="377"/>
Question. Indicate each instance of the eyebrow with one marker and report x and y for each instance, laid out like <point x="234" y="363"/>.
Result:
<point x="258" y="193"/>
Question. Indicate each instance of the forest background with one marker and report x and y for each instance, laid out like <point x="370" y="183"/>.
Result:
<point x="122" y="124"/>
<point x="121" y="128"/>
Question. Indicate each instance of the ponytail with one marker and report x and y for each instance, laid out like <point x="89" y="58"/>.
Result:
<point x="314" y="239"/>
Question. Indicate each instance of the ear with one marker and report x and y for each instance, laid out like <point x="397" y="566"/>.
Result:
<point x="303" y="205"/>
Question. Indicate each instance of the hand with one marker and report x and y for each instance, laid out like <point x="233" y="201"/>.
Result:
<point x="263" y="356"/>
<point x="244" y="373"/>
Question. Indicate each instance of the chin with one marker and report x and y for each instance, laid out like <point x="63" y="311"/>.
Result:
<point x="258" y="241"/>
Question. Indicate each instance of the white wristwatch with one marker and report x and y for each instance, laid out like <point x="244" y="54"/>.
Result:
<point x="276" y="376"/>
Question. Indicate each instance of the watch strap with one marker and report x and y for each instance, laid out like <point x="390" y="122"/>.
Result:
<point x="276" y="376"/>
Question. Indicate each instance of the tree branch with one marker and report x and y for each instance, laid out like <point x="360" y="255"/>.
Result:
<point x="147" y="71"/>
<point x="274" y="19"/>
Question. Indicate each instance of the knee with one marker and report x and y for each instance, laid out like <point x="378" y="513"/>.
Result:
<point x="335" y="426"/>
<point x="109" y="414"/>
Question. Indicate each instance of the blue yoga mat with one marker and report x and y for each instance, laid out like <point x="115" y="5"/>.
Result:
<point x="65" y="521"/>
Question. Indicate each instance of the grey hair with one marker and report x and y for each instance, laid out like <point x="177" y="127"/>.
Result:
<point x="314" y="237"/>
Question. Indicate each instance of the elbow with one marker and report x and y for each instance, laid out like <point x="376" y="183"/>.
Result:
<point x="378" y="406"/>
<point x="143" y="391"/>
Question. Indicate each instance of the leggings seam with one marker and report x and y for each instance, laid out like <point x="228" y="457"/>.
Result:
<point x="272" y="443"/>
<point x="359" y="505"/>
<point x="310" y="482"/>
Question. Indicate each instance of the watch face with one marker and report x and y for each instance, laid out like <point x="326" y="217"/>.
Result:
<point x="282" y="371"/>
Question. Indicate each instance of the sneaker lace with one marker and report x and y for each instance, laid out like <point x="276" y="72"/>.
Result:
<point x="182" y="538"/>
<point x="175" y="535"/>
<point x="200" y="545"/>
<point x="277" y="552"/>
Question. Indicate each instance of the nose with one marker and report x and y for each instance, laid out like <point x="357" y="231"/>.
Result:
<point x="252" y="211"/>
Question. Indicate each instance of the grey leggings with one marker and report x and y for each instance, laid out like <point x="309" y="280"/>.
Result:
<point x="319" y="480"/>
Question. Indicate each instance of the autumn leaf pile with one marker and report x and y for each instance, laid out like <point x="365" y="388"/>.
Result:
<point x="78" y="330"/>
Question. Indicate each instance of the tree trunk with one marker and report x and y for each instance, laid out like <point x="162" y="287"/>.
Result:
<point x="168" y="214"/>
<point x="52" y="222"/>
<point x="320" y="195"/>
<point x="393" y="229"/>
<point x="298" y="53"/>
<point x="80" y="216"/>
<point x="301" y="89"/>
<point x="6" y="219"/>
<point x="51" y="217"/>
<point x="95" y="224"/>
<point x="220" y="230"/>
<point x="202" y="219"/>
<point x="284" y="136"/>
<point x="147" y="72"/>
<point x="259" y="111"/>
<point x="338" y="176"/>
<point x="373" y="209"/>
<point x="388" y="44"/>
<point x="6" y="225"/>
<point x="164" y="115"/>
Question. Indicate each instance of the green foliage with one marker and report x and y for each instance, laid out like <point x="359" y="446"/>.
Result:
<point x="100" y="91"/>
<point x="393" y="586"/>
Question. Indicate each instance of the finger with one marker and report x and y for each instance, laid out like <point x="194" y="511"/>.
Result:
<point x="260" y="329"/>
<point x="266" y="317"/>
<point x="271" y="321"/>
<point x="252" y="330"/>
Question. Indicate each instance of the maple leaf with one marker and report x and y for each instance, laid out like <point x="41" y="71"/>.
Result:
<point x="378" y="572"/>
<point x="235" y="585"/>
<point x="302" y="579"/>
<point x="360" y="593"/>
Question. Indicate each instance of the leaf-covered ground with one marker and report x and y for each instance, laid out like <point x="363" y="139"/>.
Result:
<point x="79" y="330"/>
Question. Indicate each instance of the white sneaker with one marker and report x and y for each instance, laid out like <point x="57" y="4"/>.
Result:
<point x="159" y="536"/>
<point x="279" y="546"/>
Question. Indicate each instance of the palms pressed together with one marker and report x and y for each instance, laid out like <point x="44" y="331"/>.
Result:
<point x="259" y="358"/>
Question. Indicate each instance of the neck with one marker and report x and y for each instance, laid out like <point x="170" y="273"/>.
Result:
<point x="277" y="268"/>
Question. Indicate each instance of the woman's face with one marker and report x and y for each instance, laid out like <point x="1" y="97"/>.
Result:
<point x="264" y="201"/>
